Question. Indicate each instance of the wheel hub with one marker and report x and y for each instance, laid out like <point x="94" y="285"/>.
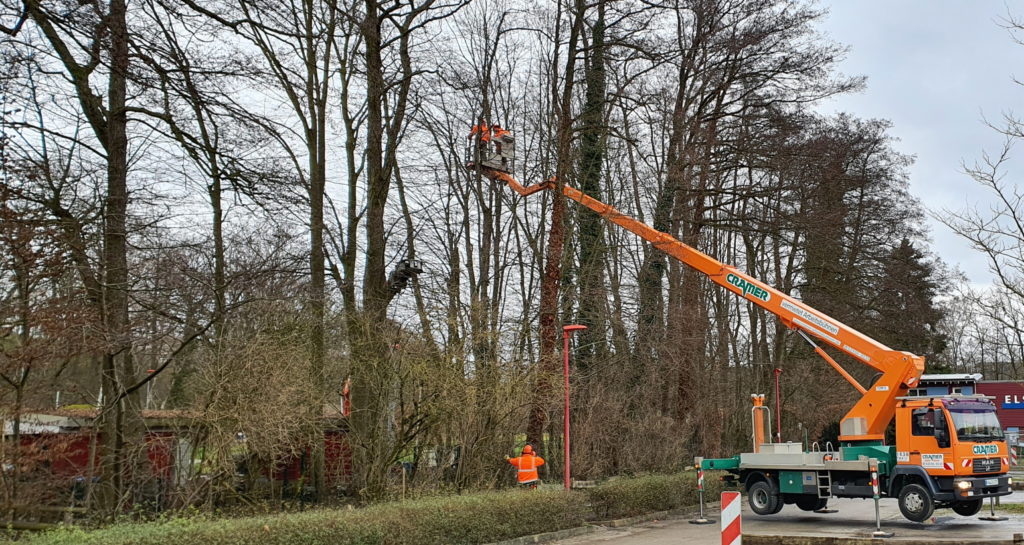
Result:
<point x="760" y="498"/>
<point x="914" y="502"/>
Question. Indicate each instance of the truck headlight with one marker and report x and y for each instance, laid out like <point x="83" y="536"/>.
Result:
<point x="963" y="485"/>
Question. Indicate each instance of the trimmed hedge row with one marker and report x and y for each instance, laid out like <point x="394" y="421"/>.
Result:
<point x="475" y="518"/>
<point x="635" y="496"/>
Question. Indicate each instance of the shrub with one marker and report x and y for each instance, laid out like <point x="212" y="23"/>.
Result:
<point x="635" y="496"/>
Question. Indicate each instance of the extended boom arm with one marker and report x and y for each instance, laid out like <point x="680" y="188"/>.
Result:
<point x="867" y="420"/>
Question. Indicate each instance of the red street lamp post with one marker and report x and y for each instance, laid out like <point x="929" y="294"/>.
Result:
<point x="566" y="332"/>
<point x="778" y="407"/>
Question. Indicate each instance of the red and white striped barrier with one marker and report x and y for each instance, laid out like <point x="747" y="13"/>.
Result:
<point x="732" y="533"/>
<point x="700" y="479"/>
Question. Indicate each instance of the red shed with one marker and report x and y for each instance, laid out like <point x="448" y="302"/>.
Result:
<point x="61" y="439"/>
<point x="337" y="456"/>
<point x="56" y="445"/>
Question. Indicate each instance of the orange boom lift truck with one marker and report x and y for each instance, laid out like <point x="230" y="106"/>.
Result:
<point x="949" y="452"/>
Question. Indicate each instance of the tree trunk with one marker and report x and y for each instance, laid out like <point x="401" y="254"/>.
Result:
<point x="120" y="419"/>
<point x="552" y="279"/>
<point x="593" y="299"/>
<point x="366" y="331"/>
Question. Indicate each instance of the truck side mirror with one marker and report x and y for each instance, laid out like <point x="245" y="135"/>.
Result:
<point x="941" y="429"/>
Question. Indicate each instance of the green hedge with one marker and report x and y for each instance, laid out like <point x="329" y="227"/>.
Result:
<point x="620" y="498"/>
<point x="475" y="518"/>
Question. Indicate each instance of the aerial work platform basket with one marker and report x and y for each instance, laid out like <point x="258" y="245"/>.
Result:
<point x="490" y="146"/>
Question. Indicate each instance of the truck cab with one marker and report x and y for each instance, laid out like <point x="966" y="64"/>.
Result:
<point x="950" y="452"/>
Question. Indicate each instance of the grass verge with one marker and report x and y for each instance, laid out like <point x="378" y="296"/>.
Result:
<point x="1007" y="507"/>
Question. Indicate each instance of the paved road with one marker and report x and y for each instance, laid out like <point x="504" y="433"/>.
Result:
<point x="856" y="518"/>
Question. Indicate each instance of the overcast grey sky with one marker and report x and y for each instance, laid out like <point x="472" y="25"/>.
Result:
<point x="935" y="68"/>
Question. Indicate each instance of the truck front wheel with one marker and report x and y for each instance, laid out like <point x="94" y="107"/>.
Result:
<point x="764" y="498"/>
<point x="968" y="508"/>
<point x="916" y="503"/>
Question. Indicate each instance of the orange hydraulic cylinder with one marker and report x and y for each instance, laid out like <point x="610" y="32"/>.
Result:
<point x="757" y="413"/>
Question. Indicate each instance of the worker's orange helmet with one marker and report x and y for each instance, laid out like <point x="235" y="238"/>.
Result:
<point x="527" y="449"/>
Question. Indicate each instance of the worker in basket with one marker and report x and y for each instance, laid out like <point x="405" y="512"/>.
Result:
<point x="527" y="465"/>
<point x="504" y="146"/>
<point x="484" y="133"/>
<point x="479" y="144"/>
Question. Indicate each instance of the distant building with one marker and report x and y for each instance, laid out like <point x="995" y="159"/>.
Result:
<point x="940" y="385"/>
<point x="1009" y="399"/>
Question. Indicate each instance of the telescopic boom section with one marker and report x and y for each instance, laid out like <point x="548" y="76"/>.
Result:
<point x="867" y="420"/>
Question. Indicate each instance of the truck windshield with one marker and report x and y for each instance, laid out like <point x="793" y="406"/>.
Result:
<point x="976" y="424"/>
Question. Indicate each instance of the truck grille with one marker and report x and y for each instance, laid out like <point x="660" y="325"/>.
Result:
<point x="986" y="465"/>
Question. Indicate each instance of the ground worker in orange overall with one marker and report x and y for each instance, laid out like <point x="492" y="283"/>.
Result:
<point x="527" y="465"/>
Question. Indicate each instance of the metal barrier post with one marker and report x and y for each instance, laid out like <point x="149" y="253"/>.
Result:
<point x="875" y="494"/>
<point x="700" y="492"/>
<point x="992" y="516"/>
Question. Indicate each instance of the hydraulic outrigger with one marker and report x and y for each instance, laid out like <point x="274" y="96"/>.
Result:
<point x="930" y="466"/>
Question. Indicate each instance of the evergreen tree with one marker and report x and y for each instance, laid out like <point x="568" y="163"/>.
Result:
<point x="907" y="316"/>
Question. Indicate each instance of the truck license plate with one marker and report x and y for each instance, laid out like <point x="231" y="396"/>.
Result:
<point x="991" y="482"/>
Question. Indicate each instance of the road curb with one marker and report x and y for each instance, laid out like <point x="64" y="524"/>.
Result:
<point x="761" y="539"/>
<point x="601" y="525"/>
<point x="551" y="536"/>
<point x="751" y="539"/>
<point x="646" y="517"/>
<point x="657" y="515"/>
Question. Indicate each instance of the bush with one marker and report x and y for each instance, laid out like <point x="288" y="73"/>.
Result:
<point x="635" y="496"/>
<point x="474" y="518"/>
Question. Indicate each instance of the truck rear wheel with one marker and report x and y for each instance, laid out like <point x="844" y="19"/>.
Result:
<point x="763" y="498"/>
<point x="968" y="508"/>
<point x="811" y="503"/>
<point x="916" y="503"/>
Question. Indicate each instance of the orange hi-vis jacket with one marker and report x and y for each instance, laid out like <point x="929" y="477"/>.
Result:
<point x="483" y="130"/>
<point x="527" y="465"/>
